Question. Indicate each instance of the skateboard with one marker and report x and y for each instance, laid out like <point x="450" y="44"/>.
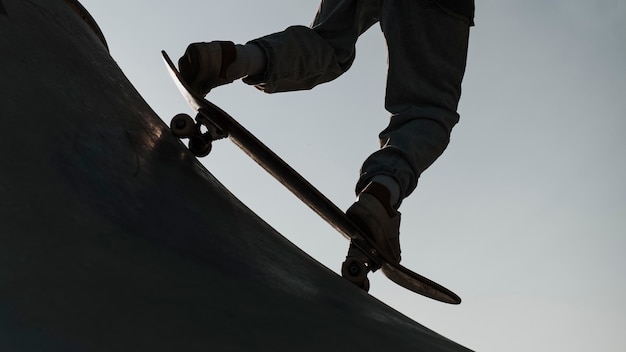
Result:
<point x="212" y="123"/>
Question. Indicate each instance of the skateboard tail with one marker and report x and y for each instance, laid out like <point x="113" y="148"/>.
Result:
<point x="423" y="286"/>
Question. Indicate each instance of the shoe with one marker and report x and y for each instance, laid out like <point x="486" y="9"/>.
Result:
<point x="204" y="65"/>
<point x="380" y="223"/>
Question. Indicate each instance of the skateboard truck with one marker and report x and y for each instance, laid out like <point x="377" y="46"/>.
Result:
<point x="361" y="259"/>
<point x="201" y="132"/>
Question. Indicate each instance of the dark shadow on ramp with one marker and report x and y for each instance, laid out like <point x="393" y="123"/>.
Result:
<point x="114" y="238"/>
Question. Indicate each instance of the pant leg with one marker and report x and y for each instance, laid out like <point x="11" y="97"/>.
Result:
<point x="427" y="56"/>
<point x="302" y="57"/>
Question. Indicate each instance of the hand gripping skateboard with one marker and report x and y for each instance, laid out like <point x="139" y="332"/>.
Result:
<point x="212" y="123"/>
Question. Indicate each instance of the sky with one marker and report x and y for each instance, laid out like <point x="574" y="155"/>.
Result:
<point x="524" y="216"/>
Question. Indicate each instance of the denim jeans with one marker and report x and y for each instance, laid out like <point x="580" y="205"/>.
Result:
<point x="427" y="51"/>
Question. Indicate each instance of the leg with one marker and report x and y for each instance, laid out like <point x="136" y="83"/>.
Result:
<point x="427" y="56"/>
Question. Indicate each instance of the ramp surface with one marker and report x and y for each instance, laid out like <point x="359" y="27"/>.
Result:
<point x="114" y="238"/>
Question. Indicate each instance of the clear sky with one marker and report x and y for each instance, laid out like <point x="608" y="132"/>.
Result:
<point x="525" y="214"/>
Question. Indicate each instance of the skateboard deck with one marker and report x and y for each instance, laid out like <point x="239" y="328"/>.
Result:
<point x="212" y="123"/>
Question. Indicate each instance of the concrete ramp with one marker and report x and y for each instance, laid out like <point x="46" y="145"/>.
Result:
<point x="114" y="238"/>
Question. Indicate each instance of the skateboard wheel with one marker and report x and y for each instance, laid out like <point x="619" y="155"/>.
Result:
<point x="199" y="146"/>
<point x="183" y="126"/>
<point x="355" y="271"/>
